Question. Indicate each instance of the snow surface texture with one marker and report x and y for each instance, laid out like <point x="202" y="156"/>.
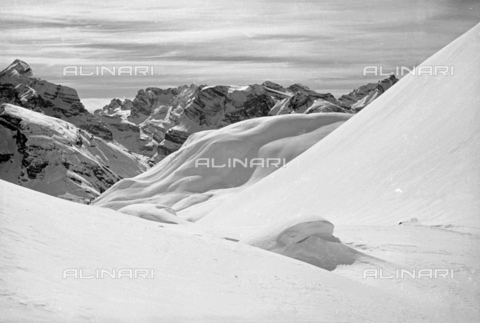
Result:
<point x="177" y="183"/>
<point x="199" y="277"/>
<point x="55" y="157"/>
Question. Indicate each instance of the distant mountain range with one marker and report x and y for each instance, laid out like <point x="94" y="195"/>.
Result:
<point x="157" y="121"/>
<point x="60" y="148"/>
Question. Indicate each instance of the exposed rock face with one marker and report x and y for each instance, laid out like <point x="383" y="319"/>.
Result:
<point x="140" y="125"/>
<point x="165" y="118"/>
<point x="364" y="95"/>
<point x="299" y="98"/>
<point x="57" y="158"/>
<point x="19" y="86"/>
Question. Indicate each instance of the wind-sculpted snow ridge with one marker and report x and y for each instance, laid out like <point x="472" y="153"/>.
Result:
<point x="310" y="241"/>
<point x="18" y="86"/>
<point x="157" y="122"/>
<point x="219" y="163"/>
<point x="413" y="153"/>
<point x="57" y="158"/>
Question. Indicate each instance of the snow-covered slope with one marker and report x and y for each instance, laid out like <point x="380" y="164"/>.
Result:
<point x="191" y="276"/>
<point x="413" y="153"/>
<point x="57" y="158"/>
<point x="191" y="181"/>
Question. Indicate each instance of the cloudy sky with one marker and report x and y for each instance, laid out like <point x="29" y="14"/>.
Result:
<point x="322" y="44"/>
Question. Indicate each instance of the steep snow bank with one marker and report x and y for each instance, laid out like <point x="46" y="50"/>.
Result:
<point x="412" y="153"/>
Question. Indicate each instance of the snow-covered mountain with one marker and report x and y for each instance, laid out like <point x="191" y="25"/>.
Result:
<point x="52" y="144"/>
<point x="375" y="218"/>
<point x="157" y="122"/>
<point x="20" y="87"/>
<point x="55" y="157"/>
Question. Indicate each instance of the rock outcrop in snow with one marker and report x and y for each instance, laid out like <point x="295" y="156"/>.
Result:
<point x="55" y="157"/>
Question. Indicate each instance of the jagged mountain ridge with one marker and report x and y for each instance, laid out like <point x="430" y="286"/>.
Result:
<point x="158" y="121"/>
<point x="155" y="124"/>
<point x="161" y="120"/>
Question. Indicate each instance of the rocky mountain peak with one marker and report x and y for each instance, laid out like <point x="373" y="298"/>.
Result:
<point x="18" y="86"/>
<point x="360" y="97"/>
<point x="388" y="82"/>
<point x="274" y="86"/>
<point x="18" y="67"/>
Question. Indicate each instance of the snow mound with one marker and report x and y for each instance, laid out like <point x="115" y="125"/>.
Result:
<point x="307" y="242"/>
<point x="413" y="152"/>
<point x="311" y="241"/>
<point x="304" y="230"/>
<point x="180" y="183"/>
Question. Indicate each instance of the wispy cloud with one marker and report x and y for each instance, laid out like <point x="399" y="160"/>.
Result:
<point x="323" y="44"/>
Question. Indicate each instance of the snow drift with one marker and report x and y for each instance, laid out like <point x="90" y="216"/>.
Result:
<point x="192" y="188"/>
